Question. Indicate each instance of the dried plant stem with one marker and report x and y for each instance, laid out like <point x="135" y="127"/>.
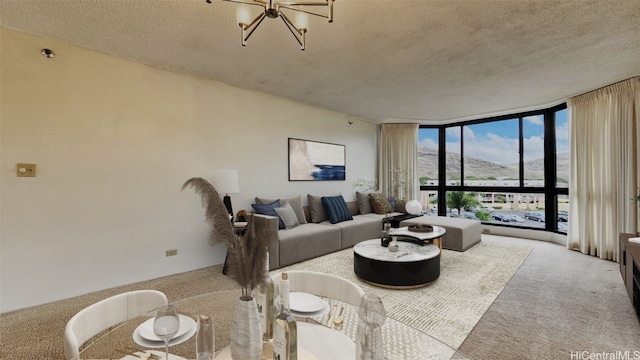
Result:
<point x="246" y="254"/>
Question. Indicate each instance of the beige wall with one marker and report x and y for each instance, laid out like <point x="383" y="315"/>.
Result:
<point x="113" y="141"/>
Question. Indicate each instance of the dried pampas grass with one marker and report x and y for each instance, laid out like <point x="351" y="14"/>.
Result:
<point x="246" y="254"/>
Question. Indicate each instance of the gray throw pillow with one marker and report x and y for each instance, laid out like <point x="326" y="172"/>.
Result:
<point x="316" y="209"/>
<point x="364" y="204"/>
<point x="294" y="201"/>
<point x="288" y="216"/>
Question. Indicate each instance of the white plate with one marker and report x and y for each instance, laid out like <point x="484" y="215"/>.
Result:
<point x="325" y="310"/>
<point x="305" y="302"/>
<point x="188" y="328"/>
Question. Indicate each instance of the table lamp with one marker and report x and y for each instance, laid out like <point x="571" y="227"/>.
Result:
<point x="226" y="182"/>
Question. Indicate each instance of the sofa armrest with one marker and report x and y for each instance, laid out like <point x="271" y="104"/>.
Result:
<point x="265" y="221"/>
<point x="269" y="222"/>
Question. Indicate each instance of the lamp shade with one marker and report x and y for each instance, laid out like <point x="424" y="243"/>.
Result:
<point x="413" y="207"/>
<point x="226" y="181"/>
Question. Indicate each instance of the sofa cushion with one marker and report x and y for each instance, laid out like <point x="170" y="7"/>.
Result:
<point x="269" y="209"/>
<point x="336" y="209"/>
<point x="401" y="206"/>
<point x="392" y="202"/>
<point x="316" y="208"/>
<point x="306" y="242"/>
<point x="295" y="201"/>
<point x="288" y="216"/>
<point x="379" y="203"/>
<point x="361" y="228"/>
<point x="364" y="204"/>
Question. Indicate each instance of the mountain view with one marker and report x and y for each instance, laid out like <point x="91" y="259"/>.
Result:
<point x="482" y="169"/>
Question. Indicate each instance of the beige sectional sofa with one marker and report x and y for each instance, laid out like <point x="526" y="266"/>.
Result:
<point x="316" y="235"/>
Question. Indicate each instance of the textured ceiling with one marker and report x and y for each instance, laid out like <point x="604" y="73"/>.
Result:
<point x="380" y="60"/>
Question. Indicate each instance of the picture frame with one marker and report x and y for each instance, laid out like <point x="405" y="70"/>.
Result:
<point x="316" y="161"/>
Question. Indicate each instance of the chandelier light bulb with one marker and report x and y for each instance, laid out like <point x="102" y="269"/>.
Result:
<point x="302" y="20"/>
<point x="243" y="15"/>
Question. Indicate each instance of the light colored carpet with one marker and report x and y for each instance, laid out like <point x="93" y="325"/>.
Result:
<point x="449" y="308"/>
<point x="559" y="303"/>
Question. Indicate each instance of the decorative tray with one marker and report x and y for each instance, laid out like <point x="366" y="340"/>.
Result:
<point x="420" y="228"/>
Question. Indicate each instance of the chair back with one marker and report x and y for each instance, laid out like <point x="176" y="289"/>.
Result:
<point x="321" y="284"/>
<point x="106" y="313"/>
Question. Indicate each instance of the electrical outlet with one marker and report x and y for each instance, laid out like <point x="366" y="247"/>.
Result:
<point x="172" y="252"/>
<point x="486" y="231"/>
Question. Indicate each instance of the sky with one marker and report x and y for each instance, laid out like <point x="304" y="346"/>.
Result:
<point x="497" y="141"/>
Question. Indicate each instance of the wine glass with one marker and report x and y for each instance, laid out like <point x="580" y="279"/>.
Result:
<point x="166" y="324"/>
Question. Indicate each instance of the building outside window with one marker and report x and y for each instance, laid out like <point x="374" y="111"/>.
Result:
<point x="516" y="168"/>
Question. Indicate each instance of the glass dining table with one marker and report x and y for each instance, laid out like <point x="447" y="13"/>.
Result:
<point x="318" y="338"/>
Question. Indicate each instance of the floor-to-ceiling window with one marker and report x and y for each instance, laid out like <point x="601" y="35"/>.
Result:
<point x="510" y="170"/>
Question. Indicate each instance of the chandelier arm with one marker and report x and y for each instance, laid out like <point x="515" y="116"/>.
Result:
<point x="251" y="27"/>
<point x="257" y="19"/>
<point x="247" y="2"/>
<point x="298" y="33"/>
<point x="289" y="23"/>
<point x="327" y="16"/>
<point x="295" y="3"/>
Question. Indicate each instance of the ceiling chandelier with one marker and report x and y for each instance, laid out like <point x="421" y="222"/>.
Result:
<point x="273" y="9"/>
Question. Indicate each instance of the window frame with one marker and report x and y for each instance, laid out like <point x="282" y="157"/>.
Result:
<point x="549" y="190"/>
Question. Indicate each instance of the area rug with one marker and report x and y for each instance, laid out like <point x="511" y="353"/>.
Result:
<point x="450" y="307"/>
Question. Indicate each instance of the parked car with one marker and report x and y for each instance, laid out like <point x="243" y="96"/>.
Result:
<point x="516" y="218"/>
<point x="563" y="216"/>
<point x="535" y="216"/>
<point x="501" y="217"/>
<point x="488" y="209"/>
<point x="469" y="216"/>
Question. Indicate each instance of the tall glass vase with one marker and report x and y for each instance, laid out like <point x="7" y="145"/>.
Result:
<point x="246" y="334"/>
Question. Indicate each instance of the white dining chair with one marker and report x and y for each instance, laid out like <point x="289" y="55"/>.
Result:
<point x="321" y="284"/>
<point x="106" y="313"/>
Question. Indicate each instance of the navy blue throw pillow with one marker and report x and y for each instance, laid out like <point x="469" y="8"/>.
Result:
<point x="269" y="209"/>
<point x="336" y="209"/>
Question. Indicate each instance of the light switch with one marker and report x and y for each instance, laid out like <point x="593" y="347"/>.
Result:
<point x="26" y="170"/>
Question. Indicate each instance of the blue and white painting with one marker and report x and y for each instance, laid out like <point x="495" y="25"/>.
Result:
<point x="313" y="160"/>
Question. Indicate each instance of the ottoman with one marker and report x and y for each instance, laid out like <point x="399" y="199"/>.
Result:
<point x="461" y="233"/>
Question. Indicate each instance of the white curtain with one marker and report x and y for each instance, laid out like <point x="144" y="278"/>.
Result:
<point x="605" y="151"/>
<point x="399" y="161"/>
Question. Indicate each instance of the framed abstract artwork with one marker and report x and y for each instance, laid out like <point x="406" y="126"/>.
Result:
<point x="316" y="161"/>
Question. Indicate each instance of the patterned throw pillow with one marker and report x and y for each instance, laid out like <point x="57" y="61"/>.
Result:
<point x="336" y="209"/>
<point x="380" y="203"/>
<point x="269" y="209"/>
<point x="288" y="216"/>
